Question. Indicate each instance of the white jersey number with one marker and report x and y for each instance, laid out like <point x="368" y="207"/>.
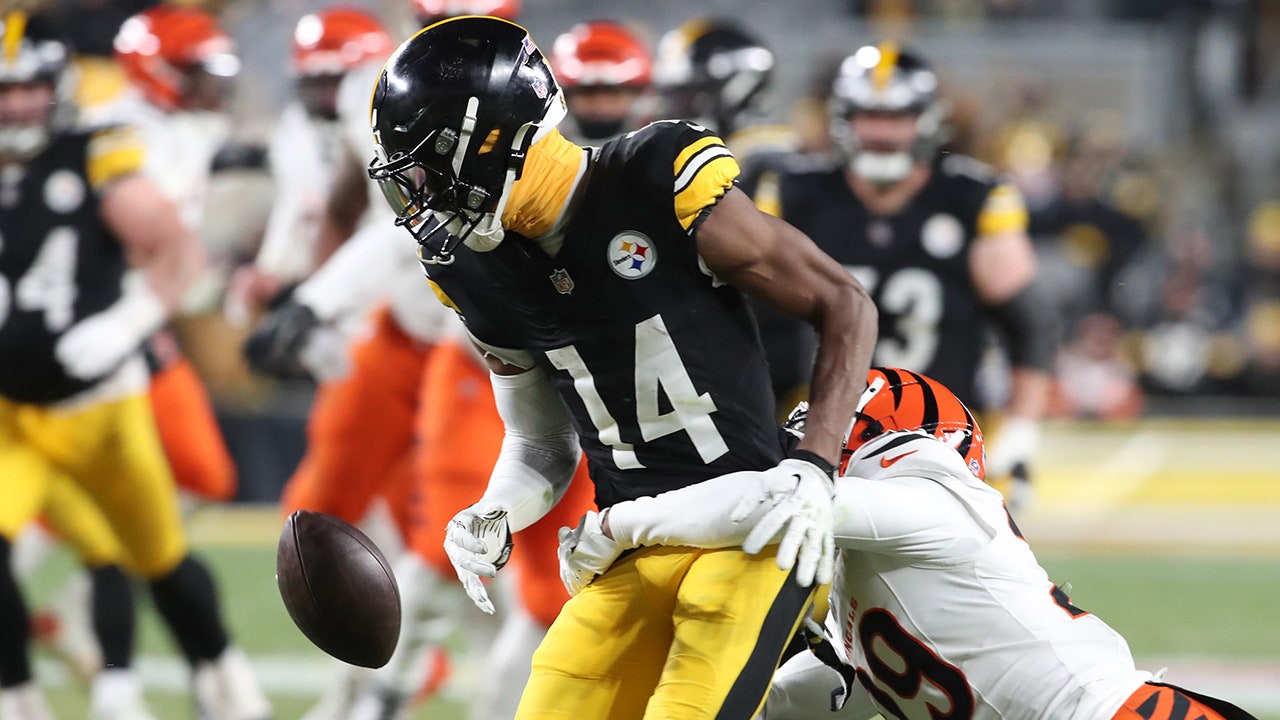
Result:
<point x="913" y="296"/>
<point x="49" y="284"/>
<point x="658" y="369"/>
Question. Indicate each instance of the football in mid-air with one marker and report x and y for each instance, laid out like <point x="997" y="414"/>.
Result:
<point x="338" y="588"/>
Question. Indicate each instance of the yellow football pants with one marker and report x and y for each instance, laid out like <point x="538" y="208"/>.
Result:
<point x="668" y="633"/>
<point x="99" y="474"/>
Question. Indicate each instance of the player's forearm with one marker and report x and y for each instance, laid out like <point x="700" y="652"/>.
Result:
<point x="539" y="452"/>
<point x="171" y="270"/>
<point x="694" y="516"/>
<point x="847" y="330"/>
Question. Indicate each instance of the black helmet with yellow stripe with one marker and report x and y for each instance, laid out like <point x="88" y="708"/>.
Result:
<point x="711" y="70"/>
<point x="35" y="65"/>
<point x="889" y="79"/>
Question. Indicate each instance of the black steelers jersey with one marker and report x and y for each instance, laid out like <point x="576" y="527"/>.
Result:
<point x="913" y="263"/>
<point x="58" y="261"/>
<point x="659" y="364"/>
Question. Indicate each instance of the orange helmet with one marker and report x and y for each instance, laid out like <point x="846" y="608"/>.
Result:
<point x="333" y="41"/>
<point x="157" y="47"/>
<point x="897" y="399"/>
<point x="601" y="53"/>
<point x="433" y="11"/>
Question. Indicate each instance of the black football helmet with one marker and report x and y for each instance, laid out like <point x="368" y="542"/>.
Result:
<point x="454" y="112"/>
<point x="886" y="78"/>
<point x="30" y="52"/>
<point x="711" y="70"/>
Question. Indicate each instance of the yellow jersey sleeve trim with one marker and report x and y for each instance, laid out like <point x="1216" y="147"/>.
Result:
<point x="1003" y="211"/>
<point x="704" y="171"/>
<point x="113" y="154"/>
<point x="443" y="297"/>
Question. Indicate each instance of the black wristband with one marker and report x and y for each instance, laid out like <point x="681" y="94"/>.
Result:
<point x="814" y="458"/>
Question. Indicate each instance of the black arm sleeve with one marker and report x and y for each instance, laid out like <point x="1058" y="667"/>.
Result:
<point x="1031" y="326"/>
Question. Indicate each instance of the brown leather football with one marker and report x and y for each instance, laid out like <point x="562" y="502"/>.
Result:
<point x="338" y="588"/>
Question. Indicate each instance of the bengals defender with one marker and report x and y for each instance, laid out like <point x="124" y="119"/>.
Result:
<point x="603" y="286"/>
<point x="94" y="260"/>
<point x="179" y="62"/>
<point x="939" y="607"/>
<point x="606" y="72"/>
<point x="936" y="238"/>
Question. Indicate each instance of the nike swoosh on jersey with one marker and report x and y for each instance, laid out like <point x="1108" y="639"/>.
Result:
<point x="887" y="461"/>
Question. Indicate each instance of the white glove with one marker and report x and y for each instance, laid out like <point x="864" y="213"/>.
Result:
<point x="478" y="542"/>
<point x="101" y="342"/>
<point x="798" y="496"/>
<point x="585" y="552"/>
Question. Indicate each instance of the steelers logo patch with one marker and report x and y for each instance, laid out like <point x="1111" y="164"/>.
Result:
<point x="942" y="236"/>
<point x="632" y="255"/>
<point x="64" y="192"/>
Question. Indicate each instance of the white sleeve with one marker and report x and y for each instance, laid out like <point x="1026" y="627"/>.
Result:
<point x="288" y="243"/>
<point x="355" y="97"/>
<point x="697" y="515"/>
<point x="904" y="515"/>
<point x="357" y="274"/>
<point x="539" y="451"/>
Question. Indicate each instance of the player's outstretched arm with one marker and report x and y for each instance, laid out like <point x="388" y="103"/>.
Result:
<point x="166" y="258"/>
<point x="539" y="454"/>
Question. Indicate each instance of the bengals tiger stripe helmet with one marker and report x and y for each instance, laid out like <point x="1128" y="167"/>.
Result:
<point x="160" y="48"/>
<point x="897" y="399"/>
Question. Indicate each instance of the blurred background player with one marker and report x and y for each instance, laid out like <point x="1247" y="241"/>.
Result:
<point x="714" y="71"/>
<point x="306" y="150"/>
<point x="176" y="63"/>
<point x="938" y="240"/>
<point x="95" y="259"/>
<point x="606" y="72"/>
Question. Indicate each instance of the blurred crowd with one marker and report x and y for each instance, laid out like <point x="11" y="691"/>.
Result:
<point x="1164" y="260"/>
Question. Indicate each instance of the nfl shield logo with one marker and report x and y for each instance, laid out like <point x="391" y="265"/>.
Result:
<point x="564" y="284"/>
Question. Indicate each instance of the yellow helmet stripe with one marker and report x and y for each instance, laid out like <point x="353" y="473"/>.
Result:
<point x="15" y="26"/>
<point x="883" y="71"/>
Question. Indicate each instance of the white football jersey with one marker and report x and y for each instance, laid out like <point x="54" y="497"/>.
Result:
<point x="943" y="609"/>
<point x="303" y="154"/>
<point x="379" y="263"/>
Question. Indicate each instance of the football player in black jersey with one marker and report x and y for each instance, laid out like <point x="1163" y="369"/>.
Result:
<point x="605" y="288"/>
<point x="936" y="238"/>
<point x="92" y="261"/>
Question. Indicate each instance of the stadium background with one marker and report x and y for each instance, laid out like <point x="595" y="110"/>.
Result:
<point x="1164" y="516"/>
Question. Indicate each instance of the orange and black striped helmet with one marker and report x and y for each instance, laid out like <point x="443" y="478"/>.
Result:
<point x="897" y="399"/>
